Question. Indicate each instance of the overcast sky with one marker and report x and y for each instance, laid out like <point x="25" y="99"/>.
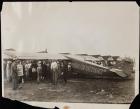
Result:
<point x="75" y="27"/>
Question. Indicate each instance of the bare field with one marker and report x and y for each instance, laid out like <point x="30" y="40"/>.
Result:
<point x="76" y="90"/>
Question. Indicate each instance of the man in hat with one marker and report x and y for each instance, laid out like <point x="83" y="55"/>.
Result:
<point x="20" y="72"/>
<point x="65" y="73"/>
<point x="14" y="75"/>
<point x="4" y="68"/>
<point x="65" y="68"/>
<point x="8" y="70"/>
<point x="39" y="71"/>
<point x="48" y="70"/>
<point x="54" y="68"/>
<point x="44" y="70"/>
<point x="26" y="70"/>
<point x="33" y="70"/>
<point x="69" y="67"/>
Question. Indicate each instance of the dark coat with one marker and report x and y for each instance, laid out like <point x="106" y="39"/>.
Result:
<point x="14" y="70"/>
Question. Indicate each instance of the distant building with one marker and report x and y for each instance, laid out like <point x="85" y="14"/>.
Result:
<point x="96" y="56"/>
<point x="9" y="53"/>
<point x="128" y="59"/>
<point x="45" y="51"/>
<point x="10" y="49"/>
<point x="82" y="54"/>
<point x="41" y="52"/>
<point x="65" y="53"/>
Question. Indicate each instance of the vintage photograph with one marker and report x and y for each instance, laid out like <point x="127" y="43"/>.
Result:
<point x="71" y="52"/>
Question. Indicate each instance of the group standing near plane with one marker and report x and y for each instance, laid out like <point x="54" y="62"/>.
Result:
<point x="41" y="67"/>
<point x="18" y="71"/>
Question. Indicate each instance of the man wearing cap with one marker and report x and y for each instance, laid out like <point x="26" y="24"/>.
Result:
<point x="54" y="68"/>
<point x="65" y="75"/>
<point x="44" y="71"/>
<point x="33" y="73"/>
<point x="8" y="71"/>
<point x="39" y="71"/>
<point x="20" y="72"/>
<point x="14" y="75"/>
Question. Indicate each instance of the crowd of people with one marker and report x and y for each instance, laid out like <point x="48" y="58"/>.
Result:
<point x="19" y="71"/>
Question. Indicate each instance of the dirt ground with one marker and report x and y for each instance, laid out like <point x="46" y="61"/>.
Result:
<point x="76" y="90"/>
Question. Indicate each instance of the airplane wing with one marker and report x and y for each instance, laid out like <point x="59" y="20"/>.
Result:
<point x="34" y="56"/>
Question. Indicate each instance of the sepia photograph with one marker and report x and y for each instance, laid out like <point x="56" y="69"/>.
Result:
<point x="70" y="52"/>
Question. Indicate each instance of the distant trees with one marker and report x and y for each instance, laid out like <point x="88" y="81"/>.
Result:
<point x="128" y="59"/>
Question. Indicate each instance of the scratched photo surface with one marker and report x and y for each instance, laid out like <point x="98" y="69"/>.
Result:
<point x="70" y="52"/>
